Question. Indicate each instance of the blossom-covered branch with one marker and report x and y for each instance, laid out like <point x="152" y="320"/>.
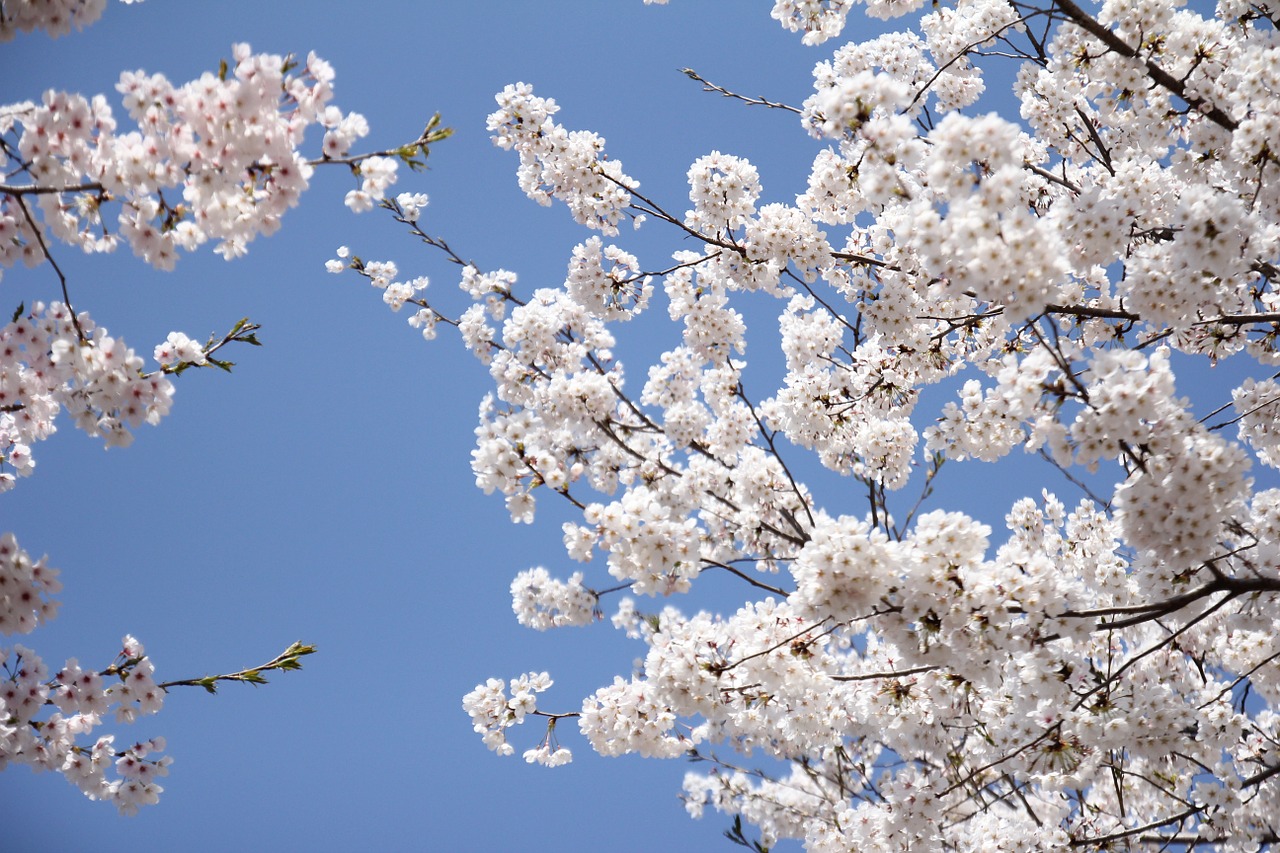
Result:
<point x="1102" y="673"/>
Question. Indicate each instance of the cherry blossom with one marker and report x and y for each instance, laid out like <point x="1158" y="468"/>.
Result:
<point x="55" y="17"/>
<point x="226" y="145"/>
<point x="1094" y="670"/>
<point x="82" y="698"/>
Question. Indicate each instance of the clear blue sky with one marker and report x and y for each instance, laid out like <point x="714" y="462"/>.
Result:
<point x="323" y="492"/>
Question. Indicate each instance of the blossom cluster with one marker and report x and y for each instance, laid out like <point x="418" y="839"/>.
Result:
<point x="82" y="698"/>
<point x="55" y="17"/>
<point x="25" y="589"/>
<point x="493" y="712"/>
<point x="52" y="361"/>
<point x="559" y="163"/>
<point x="541" y="602"/>
<point x="1073" y="678"/>
<point x="216" y="159"/>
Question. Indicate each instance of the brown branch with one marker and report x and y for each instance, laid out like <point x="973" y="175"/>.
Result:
<point x="1102" y="842"/>
<point x="708" y="86"/>
<point x="48" y="256"/>
<point x="1261" y="776"/>
<point x="1090" y="311"/>
<point x="1242" y="319"/>
<point x="1145" y="613"/>
<point x="746" y="577"/>
<point x="871" y="676"/>
<point x="35" y="189"/>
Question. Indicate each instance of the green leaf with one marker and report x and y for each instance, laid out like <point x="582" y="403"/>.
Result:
<point x="18" y="313"/>
<point x="222" y="69"/>
<point x="408" y="153"/>
<point x="288" y="659"/>
<point x="438" y="135"/>
<point x="299" y="649"/>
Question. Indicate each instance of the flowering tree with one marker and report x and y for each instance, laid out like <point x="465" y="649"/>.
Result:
<point x="1103" y="674"/>
<point x="216" y="159"/>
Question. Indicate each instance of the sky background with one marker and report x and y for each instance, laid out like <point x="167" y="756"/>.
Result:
<point x="323" y="492"/>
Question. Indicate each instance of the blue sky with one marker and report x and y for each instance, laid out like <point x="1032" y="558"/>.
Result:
<point x="323" y="492"/>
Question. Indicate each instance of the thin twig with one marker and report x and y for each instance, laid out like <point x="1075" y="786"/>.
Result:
<point x="708" y="86"/>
